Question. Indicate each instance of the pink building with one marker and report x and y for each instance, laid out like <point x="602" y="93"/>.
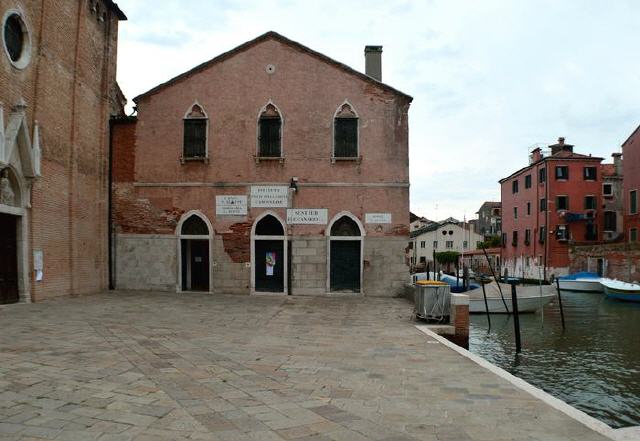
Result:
<point x="631" y="165"/>
<point x="270" y="168"/>
<point x="553" y="202"/>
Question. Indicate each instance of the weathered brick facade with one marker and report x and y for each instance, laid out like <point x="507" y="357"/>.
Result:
<point x="308" y="89"/>
<point x="617" y="260"/>
<point x="63" y="84"/>
<point x="631" y="166"/>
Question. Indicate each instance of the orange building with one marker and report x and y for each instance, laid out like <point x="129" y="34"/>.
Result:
<point x="554" y="201"/>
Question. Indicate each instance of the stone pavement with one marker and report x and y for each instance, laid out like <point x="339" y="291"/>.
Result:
<point x="155" y="366"/>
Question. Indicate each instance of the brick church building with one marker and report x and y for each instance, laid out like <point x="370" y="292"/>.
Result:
<point x="270" y="168"/>
<point x="57" y="91"/>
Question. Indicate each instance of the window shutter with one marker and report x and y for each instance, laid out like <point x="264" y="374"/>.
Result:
<point x="195" y="137"/>
<point x="270" y="137"/>
<point x="346" y="137"/>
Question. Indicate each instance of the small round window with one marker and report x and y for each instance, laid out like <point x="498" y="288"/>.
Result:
<point x="16" y="39"/>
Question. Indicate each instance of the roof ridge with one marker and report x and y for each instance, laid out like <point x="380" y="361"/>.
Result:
<point x="276" y="36"/>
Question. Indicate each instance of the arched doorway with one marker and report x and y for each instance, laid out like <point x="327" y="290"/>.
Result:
<point x="194" y="253"/>
<point x="13" y="267"/>
<point x="268" y="255"/>
<point x="344" y="273"/>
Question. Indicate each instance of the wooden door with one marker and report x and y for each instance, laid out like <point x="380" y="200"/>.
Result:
<point x="8" y="259"/>
<point x="199" y="265"/>
<point x="345" y="265"/>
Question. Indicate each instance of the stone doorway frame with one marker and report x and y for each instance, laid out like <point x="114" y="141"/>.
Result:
<point x="360" y="238"/>
<point x="20" y="154"/>
<point x="180" y="237"/>
<point x="22" y="233"/>
<point x="285" y="250"/>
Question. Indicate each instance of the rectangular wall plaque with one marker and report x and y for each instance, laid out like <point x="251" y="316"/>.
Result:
<point x="269" y="196"/>
<point x="231" y="205"/>
<point x="377" y="218"/>
<point x="307" y="216"/>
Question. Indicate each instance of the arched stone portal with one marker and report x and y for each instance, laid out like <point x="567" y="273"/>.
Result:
<point x="269" y="255"/>
<point x="19" y="166"/>
<point x="194" y="253"/>
<point x="344" y="251"/>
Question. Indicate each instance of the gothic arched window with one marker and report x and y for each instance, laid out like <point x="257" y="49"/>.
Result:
<point x="270" y="132"/>
<point x="195" y="133"/>
<point x="345" y="132"/>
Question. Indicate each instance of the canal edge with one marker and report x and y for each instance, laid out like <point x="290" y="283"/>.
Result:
<point x="556" y="403"/>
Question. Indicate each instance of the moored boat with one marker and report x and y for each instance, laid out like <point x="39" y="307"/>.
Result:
<point x="496" y="306"/>
<point x="617" y="289"/>
<point x="583" y="282"/>
<point x="530" y="298"/>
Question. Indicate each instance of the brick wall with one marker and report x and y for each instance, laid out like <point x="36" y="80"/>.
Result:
<point x="308" y="90"/>
<point x="631" y="173"/>
<point x="66" y="88"/>
<point x="622" y="260"/>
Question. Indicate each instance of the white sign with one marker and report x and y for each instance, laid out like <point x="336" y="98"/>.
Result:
<point x="231" y="205"/>
<point x="308" y="216"/>
<point x="269" y="196"/>
<point x="38" y="264"/>
<point x="377" y="218"/>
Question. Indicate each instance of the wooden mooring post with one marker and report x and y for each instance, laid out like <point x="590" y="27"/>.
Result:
<point x="560" y="302"/>
<point x="516" y="316"/>
<point x="483" y="282"/>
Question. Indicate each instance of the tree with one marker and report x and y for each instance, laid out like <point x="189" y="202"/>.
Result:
<point x="492" y="242"/>
<point x="447" y="258"/>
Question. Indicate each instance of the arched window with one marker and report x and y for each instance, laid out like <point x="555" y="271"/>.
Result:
<point x="345" y="226"/>
<point x="269" y="226"/>
<point x="195" y="133"/>
<point x="194" y="226"/>
<point x="345" y="132"/>
<point x="270" y="132"/>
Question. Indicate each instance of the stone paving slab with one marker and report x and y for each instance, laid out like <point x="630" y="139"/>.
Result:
<point x="137" y="366"/>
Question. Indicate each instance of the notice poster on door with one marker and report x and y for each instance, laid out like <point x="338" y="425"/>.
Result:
<point x="270" y="261"/>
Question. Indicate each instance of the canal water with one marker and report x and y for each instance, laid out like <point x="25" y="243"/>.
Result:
<point x="594" y="365"/>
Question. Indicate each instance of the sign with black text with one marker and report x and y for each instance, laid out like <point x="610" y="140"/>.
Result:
<point x="307" y="216"/>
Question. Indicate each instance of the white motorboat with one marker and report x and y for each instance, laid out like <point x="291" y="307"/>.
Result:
<point x="617" y="289"/>
<point x="583" y="282"/>
<point x="530" y="299"/>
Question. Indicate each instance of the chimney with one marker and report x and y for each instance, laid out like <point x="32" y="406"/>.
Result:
<point x="536" y="155"/>
<point x="617" y="163"/>
<point x="373" y="62"/>
<point x="561" y="146"/>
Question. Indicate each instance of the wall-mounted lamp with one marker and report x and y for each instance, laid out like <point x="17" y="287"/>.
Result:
<point x="293" y="184"/>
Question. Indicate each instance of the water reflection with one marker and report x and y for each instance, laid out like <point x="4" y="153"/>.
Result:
<point x="594" y="364"/>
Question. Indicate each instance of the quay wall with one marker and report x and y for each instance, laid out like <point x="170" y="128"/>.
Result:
<point x="621" y="260"/>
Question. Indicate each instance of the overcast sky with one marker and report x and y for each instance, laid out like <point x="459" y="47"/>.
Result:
<point x="489" y="78"/>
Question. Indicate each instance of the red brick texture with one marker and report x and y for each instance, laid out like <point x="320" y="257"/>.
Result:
<point x="308" y="92"/>
<point x="631" y="172"/>
<point x="66" y="88"/>
<point x="622" y="260"/>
